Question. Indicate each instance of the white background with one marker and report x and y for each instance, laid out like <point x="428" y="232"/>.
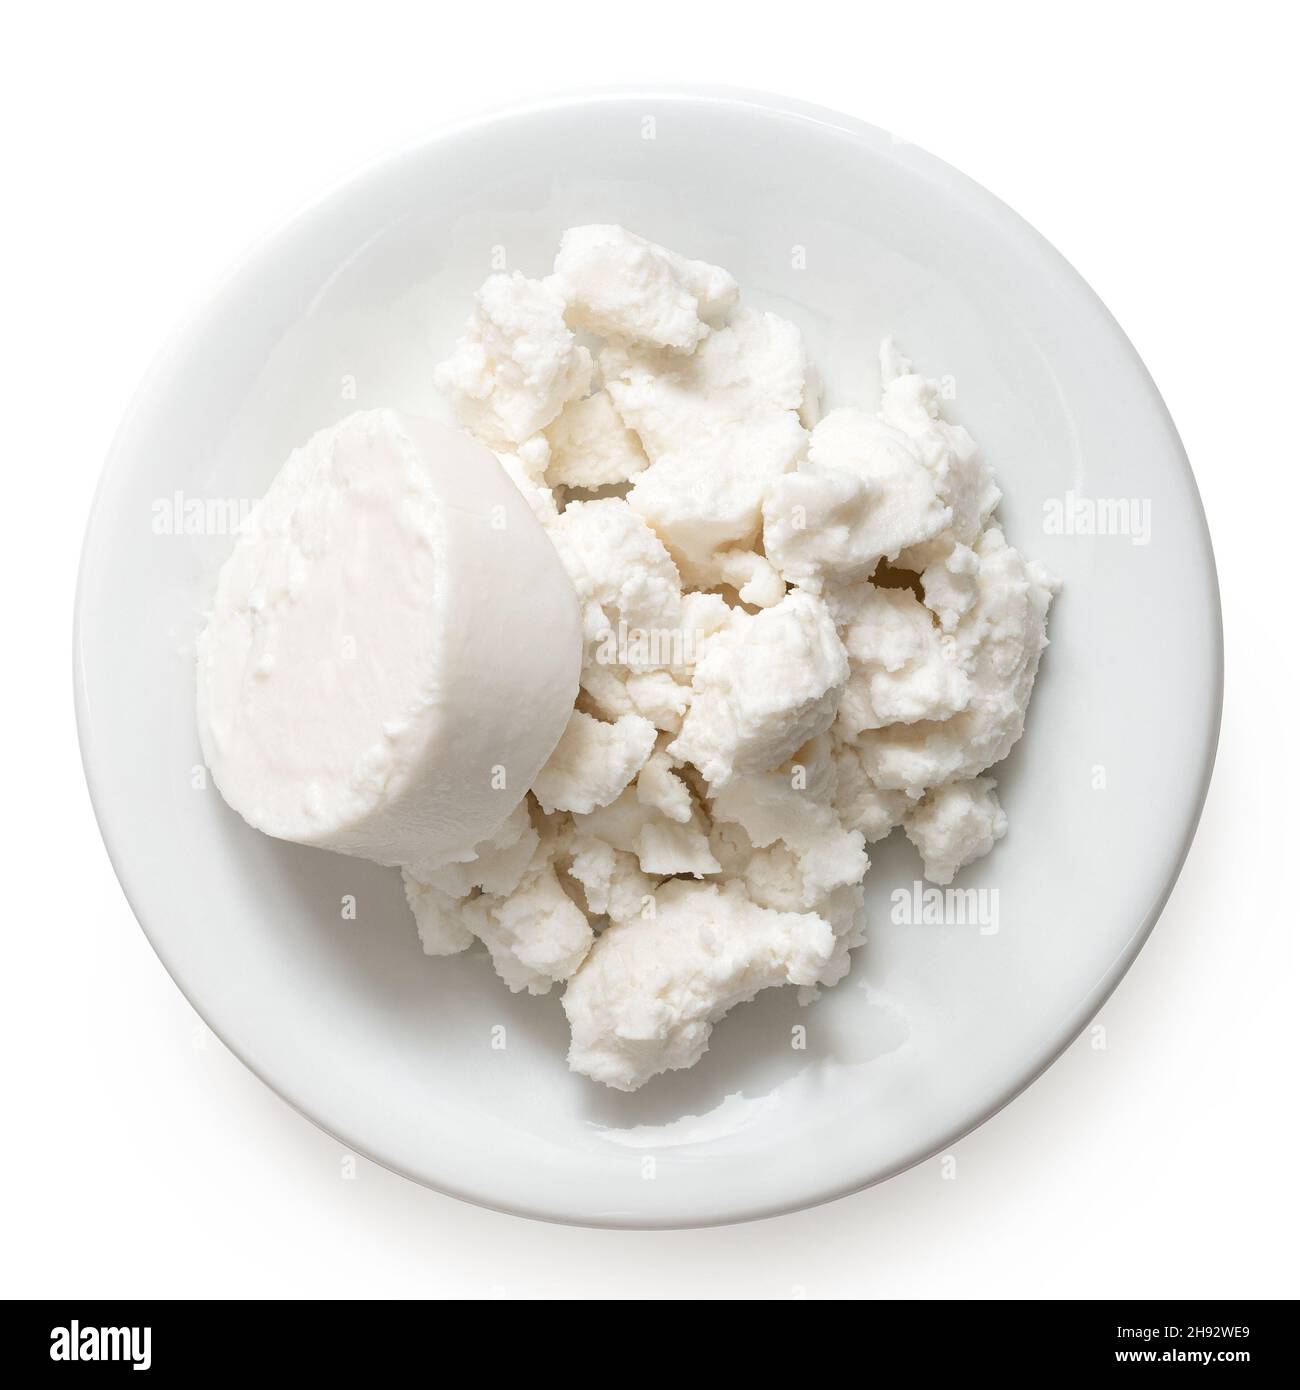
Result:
<point x="145" y="146"/>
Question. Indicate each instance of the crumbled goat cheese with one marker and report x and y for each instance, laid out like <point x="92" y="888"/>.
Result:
<point x="859" y="803"/>
<point x="800" y="632"/>
<point x="611" y="879"/>
<point x="514" y="902"/>
<point x="862" y="495"/>
<point x="900" y="669"/>
<point x="619" y="567"/>
<point x="659" y="786"/>
<point x="439" y="917"/>
<point x="649" y="993"/>
<point x="662" y="845"/>
<point x="999" y="642"/>
<point x="719" y="427"/>
<point x="593" y="762"/>
<point x="619" y="285"/>
<point x="956" y="824"/>
<point x="949" y="584"/>
<point x="591" y="447"/>
<point x="763" y="686"/>
<point x="518" y="363"/>
<point x="962" y="479"/>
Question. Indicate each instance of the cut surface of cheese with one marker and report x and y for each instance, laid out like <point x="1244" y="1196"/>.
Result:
<point x="393" y="647"/>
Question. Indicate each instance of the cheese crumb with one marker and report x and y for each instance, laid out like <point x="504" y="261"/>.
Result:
<point x="518" y="363"/>
<point x="653" y="987"/>
<point x="591" y="447"/>
<point x="593" y="762"/>
<point x="956" y="824"/>
<point x="619" y="285"/>
<point x="765" y="685"/>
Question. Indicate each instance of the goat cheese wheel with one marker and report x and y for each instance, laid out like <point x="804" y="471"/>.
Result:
<point x="393" y="648"/>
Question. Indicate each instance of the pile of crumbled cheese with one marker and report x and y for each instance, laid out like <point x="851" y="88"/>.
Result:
<point x="802" y="630"/>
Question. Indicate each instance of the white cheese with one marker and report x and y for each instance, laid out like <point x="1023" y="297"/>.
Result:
<point x="659" y="786"/>
<point x="962" y="479"/>
<point x="860" y="804"/>
<point x="537" y="936"/>
<point x="956" y="824"/>
<point x="862" y="495"/>
<point x="763" y="687"/>
<point x="591" y="447"/>
<point x="901" y="669"/>
<point x="358" y="674"/>
<point x="793" y="725"/>
<point x="535" y="933"/>
<point x="999" y="642"/>
<point x="662" y="845"/>
<point x="518" y="364"/>
<point x="439" y="917"/>
<point x="593" y="762"/>
<point x="719" y="428"/>
<point x="652" y="988"/>
<point x="611" y="879"/>
<point x="621" y="286"/>
<point x="621" y="571"/>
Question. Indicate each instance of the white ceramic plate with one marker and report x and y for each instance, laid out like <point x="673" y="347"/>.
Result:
<point x="853" y="235"/>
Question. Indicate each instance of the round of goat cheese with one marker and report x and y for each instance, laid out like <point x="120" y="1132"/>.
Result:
<point x="393" y="647"/>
